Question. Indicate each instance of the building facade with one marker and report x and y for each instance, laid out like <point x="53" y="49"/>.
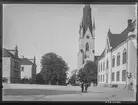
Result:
<point x="86" y="38"/>
<point x="11" y="65"/>
<point x="118" y="60"/>
<point x="28" y="69"/>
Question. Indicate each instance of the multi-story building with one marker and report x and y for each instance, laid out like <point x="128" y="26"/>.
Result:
<point x="28" y="69"/>
<point x="118" y="60"/>
<point x="11" y="65"/>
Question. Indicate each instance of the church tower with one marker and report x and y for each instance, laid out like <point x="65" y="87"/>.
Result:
<point x="86" y="38"/>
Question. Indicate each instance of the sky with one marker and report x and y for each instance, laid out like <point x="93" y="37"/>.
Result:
<point x="38" y="29"/>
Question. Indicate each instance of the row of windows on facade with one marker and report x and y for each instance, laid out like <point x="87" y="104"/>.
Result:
<point x="101" y="77"/>
<point x="113" y="61"/>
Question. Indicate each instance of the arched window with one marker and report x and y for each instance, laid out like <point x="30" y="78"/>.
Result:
<point x="87" y="47"/>
<point x="113" y="61"/>
<point x="101" y="66"/>
<point x="107" y="64"/>
<point x="124" y="56"/>
<point x="118" y="59"/>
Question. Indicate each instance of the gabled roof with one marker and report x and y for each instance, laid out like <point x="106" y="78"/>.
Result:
<point x="117" y="39"/>
<point x="25" y="61"/>
<point x="7" y="53"/>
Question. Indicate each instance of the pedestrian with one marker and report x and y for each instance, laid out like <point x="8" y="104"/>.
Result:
<point x="82" y="86"/>
<point x="86" y="86"/>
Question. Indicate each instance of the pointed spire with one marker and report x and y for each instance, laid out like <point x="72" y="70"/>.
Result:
<point x="109" y="32"/>
<point x="34" y="59"/>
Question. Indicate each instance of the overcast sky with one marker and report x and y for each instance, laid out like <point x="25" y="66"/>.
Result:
<point x="38" y="29"/>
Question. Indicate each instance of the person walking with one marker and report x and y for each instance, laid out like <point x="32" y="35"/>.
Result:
<point x="82" y="86"/>
<point x="86" y="86"/>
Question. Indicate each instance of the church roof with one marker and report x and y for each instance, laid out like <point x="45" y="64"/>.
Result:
<point x="25" y="61"/>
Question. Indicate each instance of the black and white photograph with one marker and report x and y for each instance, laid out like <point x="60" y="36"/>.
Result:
<point x="69" y="52"/>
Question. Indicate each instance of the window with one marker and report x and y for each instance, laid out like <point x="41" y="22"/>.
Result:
<point x="87" y="47"/>
<point x="117" y="76"/>
<point x="93" y="51"/>
<point x="22" y="68"/>
<point x="103" y="78"/>
<point x="113" y="76"/>
<point x="106" y="77"/>
<point x="101" y="66"/>
<point x="118" y="59"/>
<point x="124" y="56"/>
<point x="16" y="64"/>
<point x="87" y="37"/>
<point x="113" y="61"/>
<point x="107" y="64"/>
<point x="99" y="78"/>
<point x="123" y="75"/>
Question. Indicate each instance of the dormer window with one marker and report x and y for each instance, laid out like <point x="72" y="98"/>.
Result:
<point x="87" y="37"/>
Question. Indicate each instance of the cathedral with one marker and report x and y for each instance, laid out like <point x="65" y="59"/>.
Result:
<point x="86" y="38"/>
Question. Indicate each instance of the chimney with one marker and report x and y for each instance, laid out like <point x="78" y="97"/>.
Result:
<point x="129" y="22"/>
<point x="16" y="51"/>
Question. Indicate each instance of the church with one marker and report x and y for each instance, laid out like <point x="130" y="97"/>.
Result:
<point x="86" y="39"/>
<point x="117" y="64"/>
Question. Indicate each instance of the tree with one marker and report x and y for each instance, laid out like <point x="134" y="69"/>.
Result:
<point x="88" y="73"/>
<point x="54" y="69"/>
<point x="39" y="79"/>
<point x="72" y="80"/>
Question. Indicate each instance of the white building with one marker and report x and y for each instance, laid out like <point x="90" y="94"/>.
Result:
<point x="119" y="58"/>
<point x="28" y="69"/>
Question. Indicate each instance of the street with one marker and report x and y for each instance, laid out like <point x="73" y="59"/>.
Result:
<point x="26" y="92"/>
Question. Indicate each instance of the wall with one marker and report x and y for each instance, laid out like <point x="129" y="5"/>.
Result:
<point x="15" y="78"/>
<point x="121" y="66"/>
<point x="132" y="61"/>
<point x="6" y="67"/>
<point x="27" y="71"/>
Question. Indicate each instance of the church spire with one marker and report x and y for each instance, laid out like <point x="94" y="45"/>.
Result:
<point x="87" y="21"/>
<point x="34" y="60"/>
<point x="109" y="31"/>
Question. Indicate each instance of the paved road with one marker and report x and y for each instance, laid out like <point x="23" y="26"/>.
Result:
<point x="71" y="93"/>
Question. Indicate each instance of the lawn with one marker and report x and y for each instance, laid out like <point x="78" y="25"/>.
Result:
<point x="16" y="92"/>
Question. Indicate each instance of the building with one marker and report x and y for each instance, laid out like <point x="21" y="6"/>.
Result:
<point x="11" y="65"/>
<point x="118" y="59"/>
<point x="28" y="69"/>
<point x="86" y="38"/>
